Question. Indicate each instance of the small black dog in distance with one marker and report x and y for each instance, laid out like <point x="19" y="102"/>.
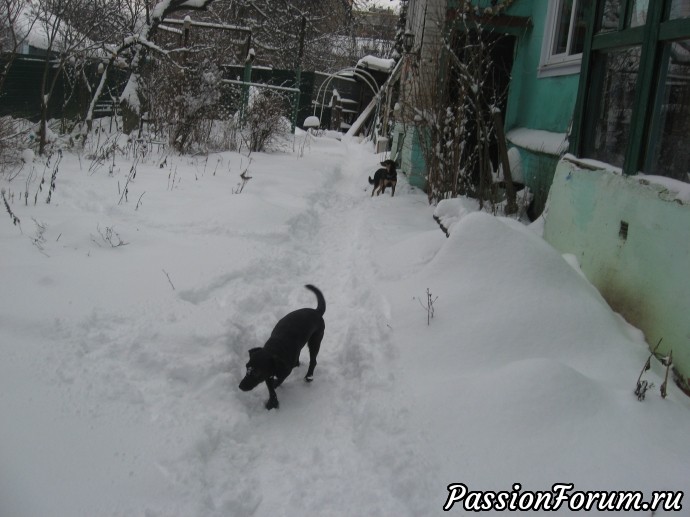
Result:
<point x="275" y="361"/>
<point x="384" y="177"/>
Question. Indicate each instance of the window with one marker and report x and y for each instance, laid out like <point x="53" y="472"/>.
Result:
<point x="564" y="38"/>
<point x="680" y="9"/>
<point x="670" y="153"/>
<point x="634" y="99"/>
<point x="620" y="70"/>
<point x="638" y="14"/>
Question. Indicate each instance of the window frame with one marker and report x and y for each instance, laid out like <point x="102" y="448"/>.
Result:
<point x="551" y="64"/>
<point x="651" y="37"/>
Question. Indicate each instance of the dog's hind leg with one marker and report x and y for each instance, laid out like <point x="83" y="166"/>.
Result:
<point x="314" y="346"/>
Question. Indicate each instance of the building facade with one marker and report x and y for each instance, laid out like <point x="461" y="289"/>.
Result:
<point x="598" y="108"/>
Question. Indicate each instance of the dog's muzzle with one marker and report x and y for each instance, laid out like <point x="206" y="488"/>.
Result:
<point x="251" y="380"/>
<point x="248" y="384"/>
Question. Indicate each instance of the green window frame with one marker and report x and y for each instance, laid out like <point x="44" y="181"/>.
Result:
<point x="635" y="35"/>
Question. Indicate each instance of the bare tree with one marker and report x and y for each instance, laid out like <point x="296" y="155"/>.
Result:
<point x="134" y="47"/>
<point x="15" y="25"/>
<point x="276" y="27"/>
<point x="143" y="42"/>
<point x="165" y="64"/>
<point x="64" y="43"/>
<point x="453" y="101"/>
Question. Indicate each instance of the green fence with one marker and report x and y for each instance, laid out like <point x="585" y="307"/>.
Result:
<point x="21" y="95"/>
<point x="22" y="92"/>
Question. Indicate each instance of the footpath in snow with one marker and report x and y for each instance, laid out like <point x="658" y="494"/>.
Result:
<point x="120" y="364"/>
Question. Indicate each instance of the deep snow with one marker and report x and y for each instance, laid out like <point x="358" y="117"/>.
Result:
<point x="120" y="365"/>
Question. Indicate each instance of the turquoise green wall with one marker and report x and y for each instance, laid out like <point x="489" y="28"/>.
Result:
<point x="411" y="155"/>
<point x="644" y="277"/>
<point x="537" y="173"/>
<point x="545" y="103"/>
<point x="537" y="103"/>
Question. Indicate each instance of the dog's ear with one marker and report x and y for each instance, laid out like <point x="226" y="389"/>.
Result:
<point x="253" y="352"/>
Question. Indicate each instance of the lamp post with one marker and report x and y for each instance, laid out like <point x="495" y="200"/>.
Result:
<point x="408" y="41"/>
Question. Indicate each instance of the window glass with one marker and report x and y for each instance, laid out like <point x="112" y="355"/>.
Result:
<point x="577" y="44"/>
<point x="680" y="9"/>
<point x="638" y="15"/>
<point x="562" y="29"/>
<point x="613" y="117"/>
<point x="611" y="16"/>
<point x="671" y="154"/>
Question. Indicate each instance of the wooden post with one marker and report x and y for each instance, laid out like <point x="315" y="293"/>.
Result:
<point x="247" y="76"/>
<point x="337" y="114"/>
<point x="511" y="206"/>
<point x="298" y="72"/>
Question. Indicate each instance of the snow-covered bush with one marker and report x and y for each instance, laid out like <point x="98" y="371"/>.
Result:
<point x="195" y="107"/>
<point x="16" y="136"/>
<point x="6" y="147"/>
<point x="264" y="118"/>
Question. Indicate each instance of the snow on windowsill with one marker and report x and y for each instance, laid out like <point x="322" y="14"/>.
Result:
<point x="538" y="140"/>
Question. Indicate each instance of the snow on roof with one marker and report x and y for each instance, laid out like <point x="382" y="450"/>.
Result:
<point x="538" y="140"/>
<point x="34" y="31"/>
<point x="376" y="63"/>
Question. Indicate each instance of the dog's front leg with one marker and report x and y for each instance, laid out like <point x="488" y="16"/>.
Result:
<point x="272" y="401"/>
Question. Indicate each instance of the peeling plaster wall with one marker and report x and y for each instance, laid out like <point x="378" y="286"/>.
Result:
<point x="632" y="240"/>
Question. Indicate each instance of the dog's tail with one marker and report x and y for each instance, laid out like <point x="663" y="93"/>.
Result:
<point x="371" y="181"/>
<point x="321" y="302"/>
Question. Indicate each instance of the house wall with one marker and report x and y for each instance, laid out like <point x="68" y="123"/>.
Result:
<point x="535" y="102"/>
<point x="406" y="151"/>
<point x="644" y="275"/>
<point x="538" y="103"/>
<point x="425" y="19"/>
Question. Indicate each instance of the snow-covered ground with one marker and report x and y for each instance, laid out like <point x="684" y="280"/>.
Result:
<point x="120" y="365"/>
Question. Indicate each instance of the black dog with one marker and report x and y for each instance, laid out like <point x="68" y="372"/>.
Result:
<point x="384" y="177"/>
<point x="274" y="362"/>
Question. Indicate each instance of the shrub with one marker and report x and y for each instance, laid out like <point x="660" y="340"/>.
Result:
<point x="264" y="119"/>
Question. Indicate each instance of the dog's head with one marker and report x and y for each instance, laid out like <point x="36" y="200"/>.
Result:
<point x="388" y="164"/>
<point x="259" y="368"/>
<point x="391" y="172"/>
